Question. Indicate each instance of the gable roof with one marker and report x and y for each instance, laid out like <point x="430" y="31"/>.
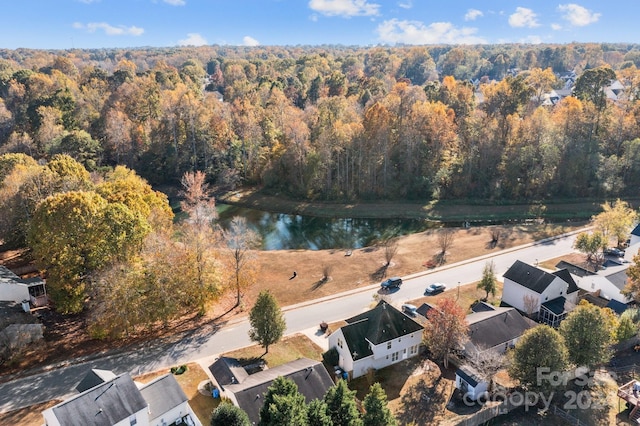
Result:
<point x="94" y="378"/>
<point x="378" y="325"/>
<point x="228" y="371"/>
<point x="103" y="405"/>
<point x="162" y="395"/>
<point x="565" y="276"/>
<point x="636" y="230"/>
<point x="309" y="375"/>
<point x="574" y="269"/>
<point x="492" y="328"/>
<point x="529" y="276"/>
<point x="619" y="279"/>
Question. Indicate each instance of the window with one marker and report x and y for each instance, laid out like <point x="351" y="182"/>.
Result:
<point x="394" y="356"/>
<point x="132" y="420"/>
<point x="413" y="350"/>
<point x="340" y="343"/>
<point x="388" y="345"/>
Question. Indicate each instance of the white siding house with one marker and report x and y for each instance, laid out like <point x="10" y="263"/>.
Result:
<point x="376" y="339"/>
<point x="549" y="296"/>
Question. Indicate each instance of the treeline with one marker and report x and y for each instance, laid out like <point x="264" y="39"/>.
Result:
<point x="338" y="123"/>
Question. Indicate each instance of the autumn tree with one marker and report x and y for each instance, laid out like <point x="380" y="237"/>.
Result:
<point x="527" y="358"/>
<point x="267" y="321"/>
<point x="615" y="221"/>
<point x="446" y="330"/>
<point x="488" y="281"/>
<point x="283" y="404"/>
<point x="632" y="287"/>
<point x="341" y="405"/>
<point x="240" y="241"/>
<point x="76" y="233"/>
<point x="390" y="246"/>
<point x="446" y="238"/>
<point x="376" y="411"/>
<point x="199" y="239"/>
<point x="587" y="335"/>
<point x="590" y="244"/>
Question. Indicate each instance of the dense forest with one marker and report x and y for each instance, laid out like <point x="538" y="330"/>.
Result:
<point x="336" y="122"/>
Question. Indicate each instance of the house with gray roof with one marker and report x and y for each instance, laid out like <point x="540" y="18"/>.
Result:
<point x="247" y="390"/>
<point x="498" y="330"/>
<point x="119" y="401"/>
<point x="376" y="339"/>
<point x="547" y="296"/>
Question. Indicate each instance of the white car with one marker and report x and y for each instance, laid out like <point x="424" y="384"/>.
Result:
<point x="409" y="309"/>
<point x="435" y="288"/>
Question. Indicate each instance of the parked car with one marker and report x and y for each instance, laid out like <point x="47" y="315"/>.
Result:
<point x="435" y="288"/>
<point x="613" y="251"/>
<point x="393" y="282"/>
<point x="409" y="309"/>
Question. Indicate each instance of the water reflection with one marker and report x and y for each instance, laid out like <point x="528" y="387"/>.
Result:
<point x="283" y="231"/>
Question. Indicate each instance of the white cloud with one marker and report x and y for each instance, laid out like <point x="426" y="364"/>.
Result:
<point x="89" y="1"/>
<point x="556" y="27"/>
<point x="344" y="8"/>
<point x="249" y="41"/>
<point x="193" y="39"/>
<point x="176" y="2"/>
<point x="523" y="17"/>
<point x="532" y="39"/>
<point x="473" y="14"/>
<point x="415" y="32"/>
<point x="577" y="15"/>
<point x="109" y="30"/>
<point x="408" y="4"/>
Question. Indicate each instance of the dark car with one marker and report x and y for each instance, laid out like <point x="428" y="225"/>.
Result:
<point x="393" y="282"/>
<point x="613" y="251"/>
<point x="435" y="288"/>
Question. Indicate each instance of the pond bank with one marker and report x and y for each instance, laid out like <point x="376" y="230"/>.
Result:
<point x="473" y="211"/>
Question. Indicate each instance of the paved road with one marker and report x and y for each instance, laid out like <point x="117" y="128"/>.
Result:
<point x="59" y="381"/>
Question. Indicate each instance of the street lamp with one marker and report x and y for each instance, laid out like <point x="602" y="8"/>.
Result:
<point x="458" y="297"/>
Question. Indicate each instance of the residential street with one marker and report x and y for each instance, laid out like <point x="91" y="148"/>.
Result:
<point x="60" y="381"/>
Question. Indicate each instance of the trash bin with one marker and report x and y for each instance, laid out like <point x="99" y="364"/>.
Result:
<point x="215" y="393"/>
<point x="345" y="375"/>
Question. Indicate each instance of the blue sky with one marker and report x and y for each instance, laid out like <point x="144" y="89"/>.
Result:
<point x="64" y="24"/>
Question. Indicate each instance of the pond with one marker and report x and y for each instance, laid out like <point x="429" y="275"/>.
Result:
<point x="286" y="232"/>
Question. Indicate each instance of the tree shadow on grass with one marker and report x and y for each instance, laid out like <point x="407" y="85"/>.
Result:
<point x="380" y="273"/>
<point x="319" y="283"/>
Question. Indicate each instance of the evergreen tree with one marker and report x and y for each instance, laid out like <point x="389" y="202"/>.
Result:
<point x="267" y="321"/>
<point x="341" y="404"/>
<point x="227" y="414"/>
<point x="376" y="411"/>
<point x="283" y="405"/>
<point x="488" y="281"/>
<point x="317" y="414"/>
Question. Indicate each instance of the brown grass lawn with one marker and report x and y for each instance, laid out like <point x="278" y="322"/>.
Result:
<point x="365" y="266"/>
<point x="202" y="405"/>
<point x="28" y="416"/>
<point x="288" y="349"/>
